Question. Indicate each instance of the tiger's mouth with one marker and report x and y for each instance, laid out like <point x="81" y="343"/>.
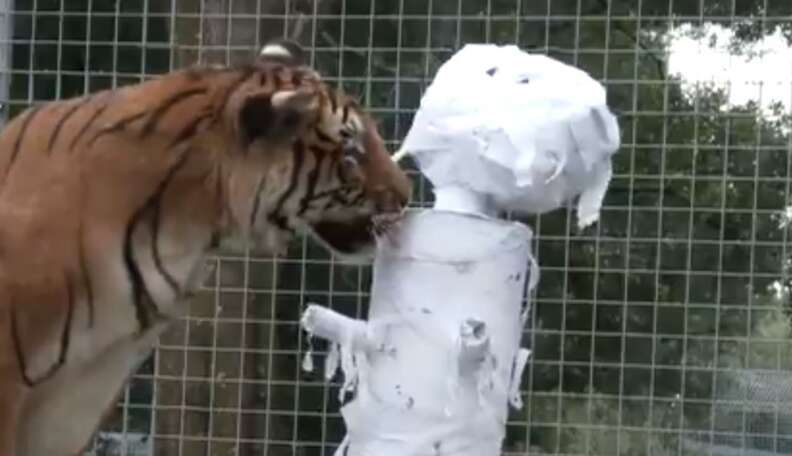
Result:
<point x="356" y="238"/>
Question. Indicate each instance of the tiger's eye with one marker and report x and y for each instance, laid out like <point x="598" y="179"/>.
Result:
<point x="354" y="150"/>
<point x="350" y="150"/>
<point x="350" y="161"/>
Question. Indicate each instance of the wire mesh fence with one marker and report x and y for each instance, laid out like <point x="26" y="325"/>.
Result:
<point x="662" y="330"/>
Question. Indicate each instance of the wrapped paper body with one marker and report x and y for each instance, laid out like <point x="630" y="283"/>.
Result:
<point x="516" y="132"/>
<point x="439" y="360"/>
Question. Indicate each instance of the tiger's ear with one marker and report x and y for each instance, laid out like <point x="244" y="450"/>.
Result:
<point x="283" y="50"/>
<point x="277" y="117"/>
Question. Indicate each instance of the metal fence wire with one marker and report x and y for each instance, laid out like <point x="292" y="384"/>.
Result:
<point x="663" y="330"/>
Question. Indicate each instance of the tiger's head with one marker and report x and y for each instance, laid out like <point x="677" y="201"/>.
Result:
<point x="311" y="160"/>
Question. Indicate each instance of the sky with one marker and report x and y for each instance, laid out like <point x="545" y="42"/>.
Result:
<point x="762" y="73"/>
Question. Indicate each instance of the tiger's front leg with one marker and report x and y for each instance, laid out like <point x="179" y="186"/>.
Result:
<point x="13" y="392"/>
<point x="12" y="395"/>
<point x="72" y="405"/>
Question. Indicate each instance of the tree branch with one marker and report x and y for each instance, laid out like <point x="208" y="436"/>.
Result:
<point x="659" y="61"/>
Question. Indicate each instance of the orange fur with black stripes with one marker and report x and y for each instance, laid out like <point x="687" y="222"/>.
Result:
<point x="110" y="202"/>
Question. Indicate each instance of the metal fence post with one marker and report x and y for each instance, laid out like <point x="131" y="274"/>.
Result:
<point x="6" y="34"/>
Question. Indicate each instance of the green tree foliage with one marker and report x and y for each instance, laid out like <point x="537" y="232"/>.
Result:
<point x="641" y="323"/>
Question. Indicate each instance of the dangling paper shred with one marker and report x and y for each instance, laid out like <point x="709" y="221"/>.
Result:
<point x="307" y="363"/>
<point x="348" y="369"/>
<point x="331" y="362"/>
<point x="515" y="398"/>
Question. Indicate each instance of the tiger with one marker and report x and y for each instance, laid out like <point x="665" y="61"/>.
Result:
<point x="110" y="204"/>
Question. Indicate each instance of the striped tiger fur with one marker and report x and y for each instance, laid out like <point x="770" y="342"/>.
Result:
<point x="110" y="202"/>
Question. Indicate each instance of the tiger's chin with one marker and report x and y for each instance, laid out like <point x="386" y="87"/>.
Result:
<point x="271" y="242"/>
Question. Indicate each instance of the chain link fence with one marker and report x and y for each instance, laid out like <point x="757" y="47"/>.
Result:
<point x="662" y="330"/>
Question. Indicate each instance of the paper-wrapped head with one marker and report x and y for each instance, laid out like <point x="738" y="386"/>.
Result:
<point x="508" y="130"/>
